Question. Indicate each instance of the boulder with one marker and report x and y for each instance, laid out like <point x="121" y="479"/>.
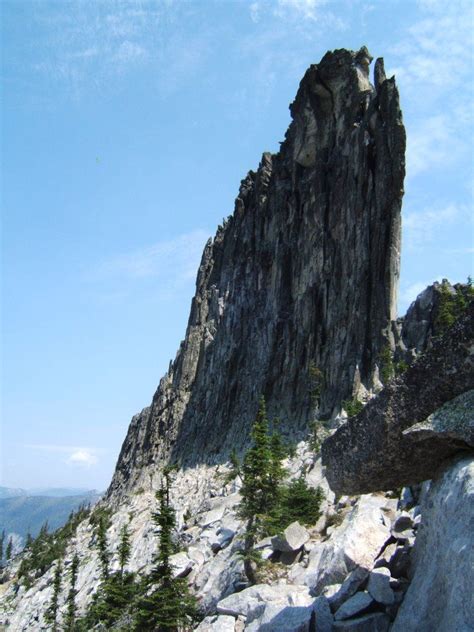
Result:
<point x="371" y="451"/>
<point x="355" y="604"/>
<point x="211" y="517"/>
<point x="379" y="586"/>
<point x="402" y="528"/>
<point x="440" y="597"/>
<point x="323" y="619"/>
<point x="181" y="564"/>
<point x="280" y="618"/>
<point x="221" y="623"/>
<point x="292" y="539"/>
<point x="386" y="555"/>
<point x="375" y="622"/>
<point x="356" y="543"/>
<point x="349" y="587"/>
<point x="255" y="598"/>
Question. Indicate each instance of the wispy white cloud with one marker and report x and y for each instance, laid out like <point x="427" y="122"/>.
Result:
<point x="433" y="64"/>
<point x="420" y="226"/>
<point x="255" y="12"/>
<point x="86" y="42"/>
<point x="169" y="265"/>
<point x="306" y="9"/>
<point x="82" y="458"/>
<point x="73" y="455"/>
<point x="432" y="143"/>
<point x="176" y="258"/>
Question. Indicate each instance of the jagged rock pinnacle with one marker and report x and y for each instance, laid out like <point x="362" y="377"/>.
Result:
<point x="303" y="274"/>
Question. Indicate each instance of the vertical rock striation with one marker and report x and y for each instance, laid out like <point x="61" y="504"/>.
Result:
<point x="303" y="274"/>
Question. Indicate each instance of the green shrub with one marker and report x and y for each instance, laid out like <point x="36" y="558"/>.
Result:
<point x="452" y="305"/>
<point x="352" y="406"/>
<point x="316" y="381"/>
<point x="387" y="369"/>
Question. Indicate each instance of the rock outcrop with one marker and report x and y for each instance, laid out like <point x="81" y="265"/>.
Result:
<point x="440" y="597"/>
<point x="391" y="442"/>
<point x="302" y="275"/>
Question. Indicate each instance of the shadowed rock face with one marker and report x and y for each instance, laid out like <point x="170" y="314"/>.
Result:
<point x="440" y="596"/>
<point x="304" y="273"/>
<point x="386" y="445"/>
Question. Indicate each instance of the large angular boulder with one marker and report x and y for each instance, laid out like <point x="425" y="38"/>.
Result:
<point x="441" y="597"/>
<point x="354" y="605"/>
<point x="373" y="451"/>
<point x="356" y="543"/>
<point x="292" y="538"/>
<point x="375" y="622"/>
<point x="254" y="599"/>
<point x="221" y="623"/>
<point x="282" y="618"/>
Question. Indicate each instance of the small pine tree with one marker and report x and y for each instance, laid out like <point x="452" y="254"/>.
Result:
<point x="234" y="467"/>
<point x="70" y="619"/>
<point x="51" y="615"/>
<point x="124" y="548"/>
<point x="301" y="503"/>
<point x="167" y="605"/>
<point x="29" y="540"/>
<point x="113" y="600"/>
<point x="102" y="545"/>
<point x="2" y="542"/>
<point x="387" y="369"/>
<point x="9" y="551"/>
<point x="262" y="474"/>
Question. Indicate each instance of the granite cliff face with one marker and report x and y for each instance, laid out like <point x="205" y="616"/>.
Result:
<point x="303" y="274"/>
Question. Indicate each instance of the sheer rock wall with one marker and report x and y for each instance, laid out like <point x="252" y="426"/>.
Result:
<point x="303" y="274"/>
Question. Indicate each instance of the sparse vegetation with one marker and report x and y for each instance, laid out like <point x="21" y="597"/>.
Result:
<point x="387" y="368"/>
<point x="51" y="615"/>
<point x="316" y="380"/>
<point x="70" y="619"/>
<point x="352" y="406"/>
<point x="48" y="547"/>
<point x="452" y="304"/>
<point x="400" y="367"/>
<point x="166" y="604"/>
<point x="317" y="434"/>
<point x="268" y="505"/>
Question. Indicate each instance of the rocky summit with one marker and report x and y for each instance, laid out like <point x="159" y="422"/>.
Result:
<point x="295" y="301"/>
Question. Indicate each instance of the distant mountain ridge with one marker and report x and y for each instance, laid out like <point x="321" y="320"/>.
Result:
<point x="24" y="513"/>
<point x="54" y="492"/>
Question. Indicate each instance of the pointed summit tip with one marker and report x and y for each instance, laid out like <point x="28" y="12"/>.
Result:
<point x="363" y="56"/>
<point x="379" y="73"/>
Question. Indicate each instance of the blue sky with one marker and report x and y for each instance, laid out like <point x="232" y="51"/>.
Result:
<point x="126" y="129"/>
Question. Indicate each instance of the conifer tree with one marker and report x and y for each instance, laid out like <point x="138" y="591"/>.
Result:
<point x="29" y="540"/>
<point x="9" y="551"/>
<point x="51" y="615"/>
<point x="167" y="605"/>
<point x="103" y="546"/>
<point x="70" y="619"/>
<point x="2" y="542"/>
<point x="124" y="548"/>
<point x="262" y="475"/>
<point x="300" y="502"/>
